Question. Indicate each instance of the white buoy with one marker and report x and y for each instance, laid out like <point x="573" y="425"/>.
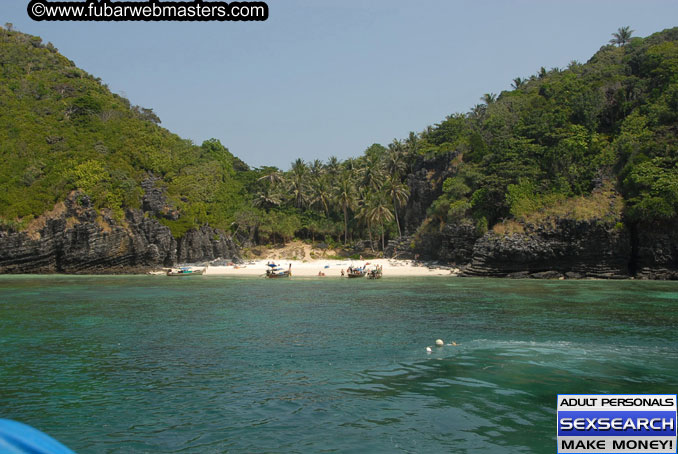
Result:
<point x="428" y="350"/>
<point x="439" y="343"/>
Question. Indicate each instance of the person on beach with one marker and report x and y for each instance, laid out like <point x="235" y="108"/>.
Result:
<point x="342" y="272"/>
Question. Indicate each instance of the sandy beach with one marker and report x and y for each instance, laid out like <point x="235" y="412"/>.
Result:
<point x="330" y="268"/>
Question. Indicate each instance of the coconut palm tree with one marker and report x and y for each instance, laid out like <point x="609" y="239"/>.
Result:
<point x="379" y="212"/>
<point x="398" y="193"/>
<point x="364" y="215"/>
<point x="394" y="161"/>
<point x="298" y="179"/>
<point x="321" y="194"/>
<point x="332" y="166"/>
<point x="371" y="174"/>
<point x="622" y="36"/>
<point x="478" y="111"/>
<point x="317" y="168"/>
<point x="518" y="83"/>
<point x="273" y="176"/>
<point x="346" y="195"/>
<point x="489" y="98"/>
<point x="267" y="197"/>
<point x="350" y="164"/>
<point x="410" y="148"/>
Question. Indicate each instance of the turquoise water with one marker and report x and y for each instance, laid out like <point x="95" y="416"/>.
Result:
<point x="149" y="364"/>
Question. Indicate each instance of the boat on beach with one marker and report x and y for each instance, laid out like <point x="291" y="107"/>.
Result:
<point x="355" y="272"/>
<point x="374" y="273"/>
<point x="276" y="271"/>
<point x="185" y="271"/>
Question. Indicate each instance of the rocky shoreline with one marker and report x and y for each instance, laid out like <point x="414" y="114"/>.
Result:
<point x="568" y="249"/>
<point x="74" y="238"/>
<point x="602" y="245"/>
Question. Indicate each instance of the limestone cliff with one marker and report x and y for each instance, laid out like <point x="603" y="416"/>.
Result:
<point x="75" y="238"/>
<point x="570" y="248"/>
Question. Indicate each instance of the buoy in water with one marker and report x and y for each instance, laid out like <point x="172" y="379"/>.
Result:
<point x="439" y="343"/>
<point x="428" y="350"/>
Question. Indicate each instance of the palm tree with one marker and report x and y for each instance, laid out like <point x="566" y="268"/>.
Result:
<point x="394" y="164"/>
<point x="346" y="196"/>
<point x="332" y="169"/>
<point x="269" y="195"/>
<point x="267" y="198"/>
<point x="379" y="212"/>
<point x="317" y="168"/>
<point x="332" y="166"/>
<point x="488" y="98"/>
<point x="371" y="173"/>
<point x="364" y="215"/>
<point x="518" y="83"/>
<point x="298" y="182"/>
<point x="411" y="147"/>
<point x="399" y="193"/>
<point x="350" y="164"/>
<point x="273" y="176"/>
<point x="321" y="194"/>
<point x="478" y="111"/>
<point x="622" y="36"/>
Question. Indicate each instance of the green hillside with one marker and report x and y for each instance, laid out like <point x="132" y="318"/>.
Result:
<point x="595" y="140"/>
<point x="62" y="129"/>
<point x="563" y="132"/>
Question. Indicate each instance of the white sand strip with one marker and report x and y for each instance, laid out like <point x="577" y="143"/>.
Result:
<point x="331" y="268"/>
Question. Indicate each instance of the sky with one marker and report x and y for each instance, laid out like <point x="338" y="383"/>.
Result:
<point x="322" y="78"/>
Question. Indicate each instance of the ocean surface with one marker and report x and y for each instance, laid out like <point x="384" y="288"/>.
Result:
<point x="150" y="364"/>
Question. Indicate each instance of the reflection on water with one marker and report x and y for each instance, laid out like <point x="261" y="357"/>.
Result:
<point x="147" y="364"/>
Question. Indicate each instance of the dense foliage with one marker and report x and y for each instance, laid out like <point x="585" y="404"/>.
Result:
<point x="561" y="133"/>
<point x="61" y="129"/>
<point x="333" y="201"/>
<point x="543" y="147"/>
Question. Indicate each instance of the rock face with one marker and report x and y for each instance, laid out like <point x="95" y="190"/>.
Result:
<point x="155" y="200"/>
<point x="74" y="238"/>
<point x="457" y="242"/>
<point x="426" y="185"/>
<point x="569" y="249"/>
<point x="205" y="244"/>
<point x="655" y="251"/>
<point x="400" y="248"/>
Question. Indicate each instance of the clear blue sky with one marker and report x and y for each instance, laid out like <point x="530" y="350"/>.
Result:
<point x="323" y="78"/>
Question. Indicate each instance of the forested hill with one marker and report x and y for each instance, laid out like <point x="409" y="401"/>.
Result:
<point x="591" y="149"/>
<point x="61" y="129"/>
<point x="563" y="132"/>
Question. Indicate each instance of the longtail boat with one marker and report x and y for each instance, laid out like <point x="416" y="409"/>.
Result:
<point x="185" y="272"/>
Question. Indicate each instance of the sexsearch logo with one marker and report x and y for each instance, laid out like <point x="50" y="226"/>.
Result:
<point x="622" y="423"/>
